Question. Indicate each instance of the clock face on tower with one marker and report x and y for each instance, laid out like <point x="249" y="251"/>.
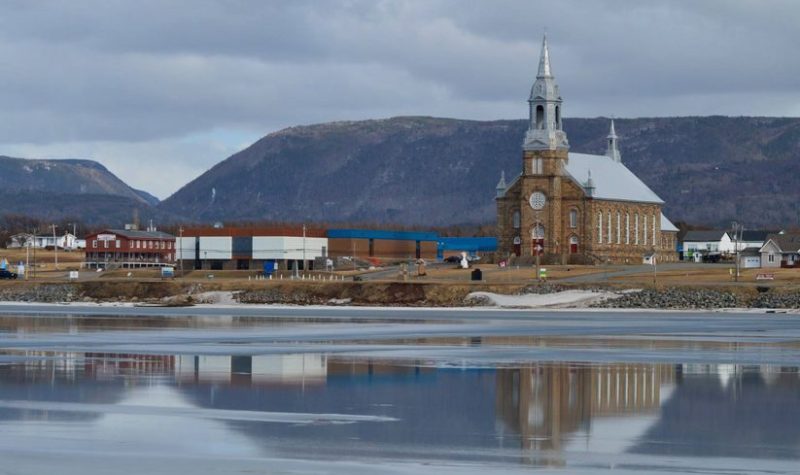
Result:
<point x="537" y="200"/>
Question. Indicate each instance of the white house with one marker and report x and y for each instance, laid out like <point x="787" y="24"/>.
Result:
<point x="67" y="241"/>
<point x="722" y="242"/>
<point x="706" y="243"/>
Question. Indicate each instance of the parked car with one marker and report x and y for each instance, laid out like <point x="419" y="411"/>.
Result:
<point x="5" y="274"/>
<point x="452" y="259"/>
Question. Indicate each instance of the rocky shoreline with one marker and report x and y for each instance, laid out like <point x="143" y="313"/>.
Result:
<point x="398" y="294"/>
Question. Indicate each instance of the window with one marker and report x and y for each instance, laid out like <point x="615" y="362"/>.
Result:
<point x="119" y="243"/>
<point x="149" y="244"/>
<point x="105" y="244"/>
<point x="538" y="166"/>
<point x="636" y="229"/>
<point x="771" y="257"/>
<point x="137" y="244"/>
<point x="654" y="230"/>
<point x="600" y="227"/>
<point x="539" y="117"/>
<point x="619" y="228"/>
<point x="516" y="219"/>
<point x="627" y="228"/>
<point x="645" y="229"/>
<point x="573" y="218"/>
<point x="94" y="243"/>
<point x="610" y="241"/>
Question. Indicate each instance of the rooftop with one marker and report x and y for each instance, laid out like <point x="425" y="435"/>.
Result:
<point x="612" y="179"/>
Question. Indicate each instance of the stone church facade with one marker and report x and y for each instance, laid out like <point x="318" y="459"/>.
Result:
<point x="572" y="207"/>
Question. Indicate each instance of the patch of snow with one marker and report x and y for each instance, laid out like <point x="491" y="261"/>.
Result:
<point x="567" y="298"/>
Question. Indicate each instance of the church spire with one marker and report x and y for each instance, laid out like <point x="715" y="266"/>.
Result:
<point x="544" y="60"/>
<point x="612" y="151"/>
<point x="545" y="103"/>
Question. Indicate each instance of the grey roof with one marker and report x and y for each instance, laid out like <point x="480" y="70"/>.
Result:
<point x="612" y="179"/>
<point x="786" y="242"/>
<point x="666" y="225"/>
<point x="756" y="235"/>
<point x="703" y="236"/>
<point x="140" y="234"/>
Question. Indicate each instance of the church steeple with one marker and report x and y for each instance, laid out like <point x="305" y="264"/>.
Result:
<point x="545" y="128"/>
<point x="612" y="151"/>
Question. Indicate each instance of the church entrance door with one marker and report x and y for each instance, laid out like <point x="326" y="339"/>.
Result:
<point x="517" y="246"/>
<point x="573" y="245"/>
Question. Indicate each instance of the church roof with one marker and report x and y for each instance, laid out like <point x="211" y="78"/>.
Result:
<point x="666" y="224"/>
<point x="612" y="179"/>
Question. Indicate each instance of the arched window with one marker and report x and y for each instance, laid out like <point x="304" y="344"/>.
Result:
<point x="600" y="227"/>
<point x="619" y="228"/>
<point x="538" y="232"/>
<point x="610" y="240"/>
<point x="573" y="218"/>
<point x="636" y="229"/>
<point x="515" y="219"/>
<point x="627" y="228"/>
<point x="654" y="230"/>
<point x="539" y="117"/>
<point x="645" y="228"/>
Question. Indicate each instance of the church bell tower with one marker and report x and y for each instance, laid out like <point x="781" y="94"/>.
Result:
<point x="545" y="152"/>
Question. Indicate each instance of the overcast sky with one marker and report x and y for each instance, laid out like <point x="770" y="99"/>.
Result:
<point x="161" y="90"/>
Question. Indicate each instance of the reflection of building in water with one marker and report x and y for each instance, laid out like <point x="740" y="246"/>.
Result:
<point x="544" y="404"/>
<point x="358" y="367"/>
<point x="68" y="366"/>
<point x="260" y="369"/>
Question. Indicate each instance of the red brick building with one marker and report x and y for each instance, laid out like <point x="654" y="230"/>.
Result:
<point x="123" y="248"/>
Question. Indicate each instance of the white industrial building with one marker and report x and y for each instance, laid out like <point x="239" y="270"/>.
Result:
<point x="249" y="248"/>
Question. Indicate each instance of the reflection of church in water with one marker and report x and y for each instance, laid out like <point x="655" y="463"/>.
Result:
<point x="546" y="404"/>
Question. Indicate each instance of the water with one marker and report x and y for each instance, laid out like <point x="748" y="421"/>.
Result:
<point x="72" y="401"/>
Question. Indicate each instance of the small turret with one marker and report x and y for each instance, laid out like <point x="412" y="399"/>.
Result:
<point x="612" y="151"/>
<point x="589" y="186"/>
<point x="501" y="185"/>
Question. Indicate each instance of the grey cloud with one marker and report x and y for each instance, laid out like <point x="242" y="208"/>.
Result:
<point x="154" y="71"/>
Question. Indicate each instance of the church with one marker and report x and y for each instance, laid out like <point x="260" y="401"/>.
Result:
<point x="575" y="208"/>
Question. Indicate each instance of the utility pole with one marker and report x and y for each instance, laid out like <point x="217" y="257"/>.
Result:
<point x="55" y="245"/>
<point x="736" y="237"/>
<point x="655" y="284"/>
<point x="180" y="248"/>
<point x="34" y="254"/>
<point x="304" y="247"/>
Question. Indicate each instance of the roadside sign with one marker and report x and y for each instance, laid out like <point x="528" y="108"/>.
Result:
<point x="106" y="237"/>
<point x="73" y="275"/>
<point x="167" y="272"/>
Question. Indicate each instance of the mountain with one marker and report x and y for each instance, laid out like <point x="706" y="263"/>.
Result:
<point x="83" y="190"/>
<point x="432" y="171"/>
<point x="150" y="199"/>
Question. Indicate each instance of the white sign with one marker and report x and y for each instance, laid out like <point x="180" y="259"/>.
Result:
<point x="73" y="275"/>
<point x="106" y="237"/>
